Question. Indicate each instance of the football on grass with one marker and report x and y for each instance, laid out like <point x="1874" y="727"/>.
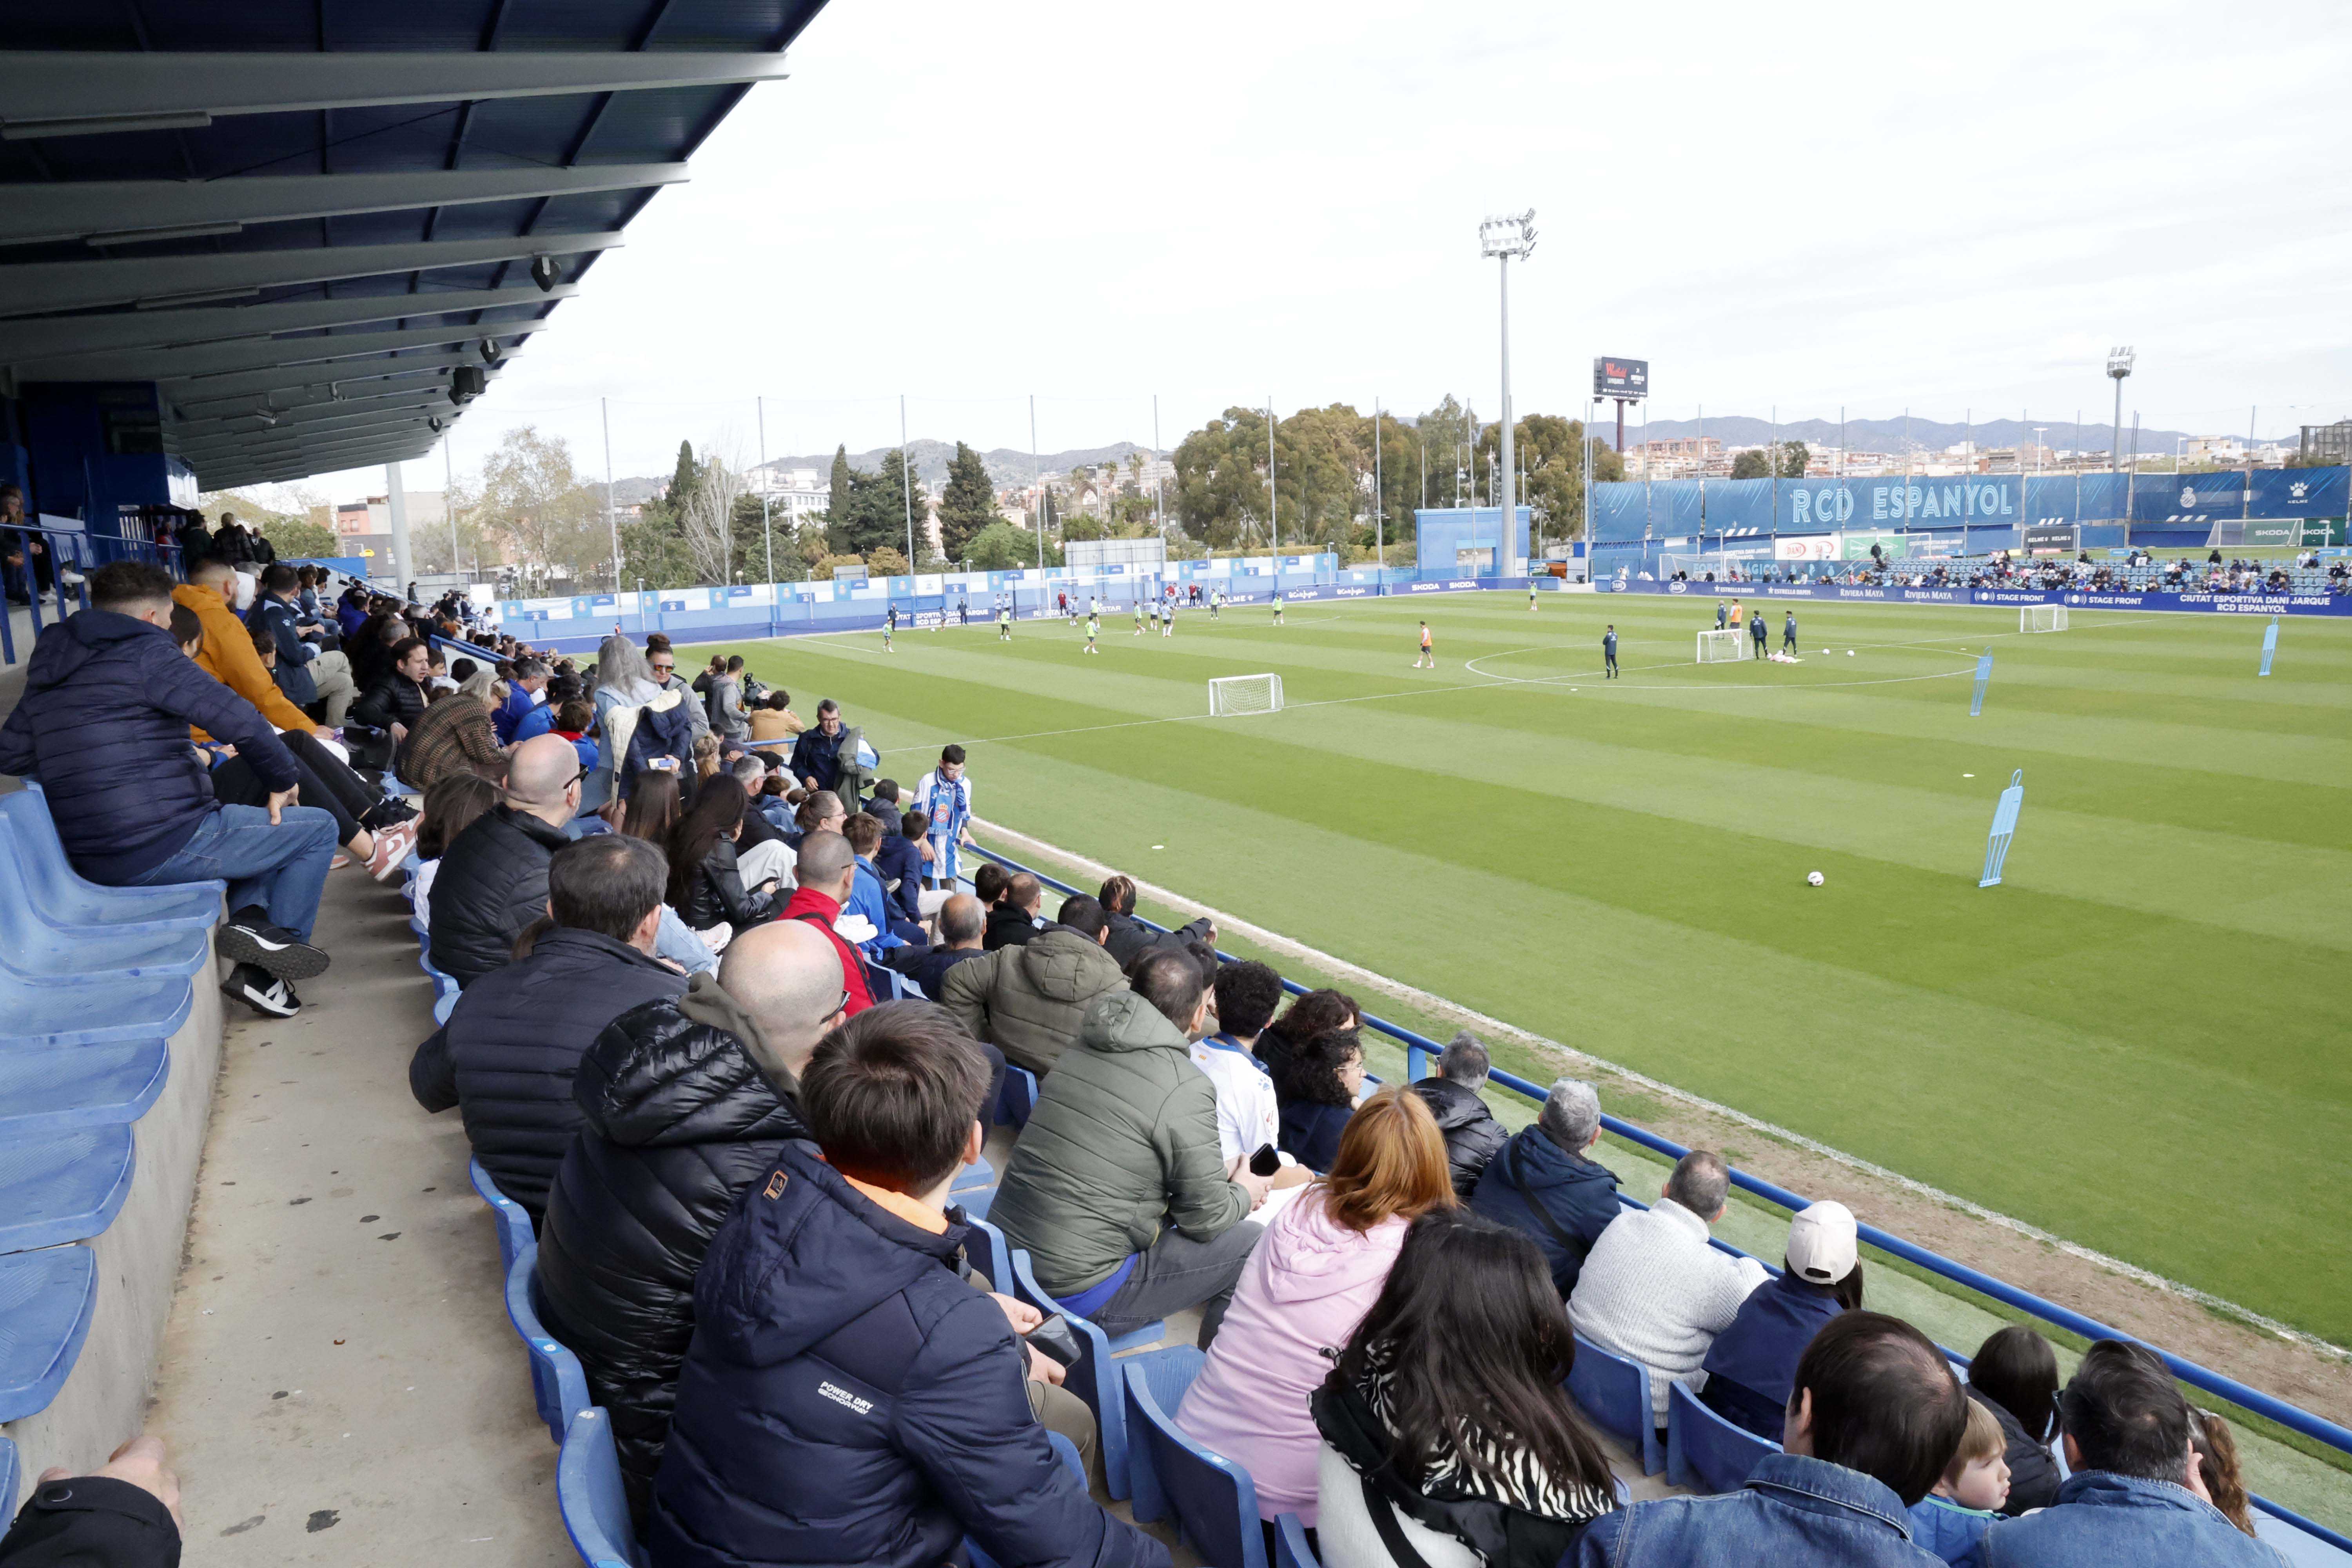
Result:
<point x="1815" y="877"/>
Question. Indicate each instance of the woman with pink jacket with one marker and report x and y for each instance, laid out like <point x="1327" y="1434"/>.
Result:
<point x="1309" y="1281"/>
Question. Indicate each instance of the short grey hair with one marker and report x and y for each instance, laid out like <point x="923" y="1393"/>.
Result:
<point x="750" y="772"/>
<point x="530" y="668"/>
<point x="1571" y="1114"/>
<point x="1701" y="1182"/>
<point x="1465" y="1060"/>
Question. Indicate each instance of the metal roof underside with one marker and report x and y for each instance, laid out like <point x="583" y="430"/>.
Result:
<point x="300" y="217"/>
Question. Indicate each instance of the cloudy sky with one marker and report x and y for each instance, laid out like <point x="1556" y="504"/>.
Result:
<point x="1799" y="208"/>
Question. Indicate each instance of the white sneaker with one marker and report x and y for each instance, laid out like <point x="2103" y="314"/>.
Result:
<point x="717" y="938"/>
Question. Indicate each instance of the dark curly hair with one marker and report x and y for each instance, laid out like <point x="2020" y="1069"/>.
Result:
<point x="1311" y="1071"/>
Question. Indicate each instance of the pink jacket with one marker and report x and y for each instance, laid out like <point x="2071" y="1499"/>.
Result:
<point x="1308" y="1283"/>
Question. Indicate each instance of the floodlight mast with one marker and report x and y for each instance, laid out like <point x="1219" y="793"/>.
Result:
<point x="1502" y="238"/>
<point x="2119" y="365"/>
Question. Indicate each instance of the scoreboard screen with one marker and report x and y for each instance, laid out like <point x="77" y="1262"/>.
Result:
<point x="1626" y="378"/>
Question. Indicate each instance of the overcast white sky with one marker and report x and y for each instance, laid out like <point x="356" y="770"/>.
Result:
<point x="1874" y="206"/>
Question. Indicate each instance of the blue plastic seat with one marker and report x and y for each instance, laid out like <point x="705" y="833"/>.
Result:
<point x="65" y="898"/>
<point x="57" y="1187"/>
<point x="49" y="954"/>
<point x="1018" y="1098"/>
<point x="55" y="1089"/>
<point x="513" y="1220"/>
<point x="1705" y="1453"/>
<point x="1094" y="1378"/>
<point x="558" y="1385"/>
<point x="46" y="1299"/>
<point x="1290" y="1548"/>
<point x="128" y="1012"/>
<point x="7" y="1480"/>
<point x="986" y="1251"/>
<point x="1614" y="1395"/>
<point x="1213" y="1499"/>
<point x="588" y="1493"/>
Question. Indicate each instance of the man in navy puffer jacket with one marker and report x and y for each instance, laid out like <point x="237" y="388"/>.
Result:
<point x="103" y="725"/>
<point x="849" y="1398"/>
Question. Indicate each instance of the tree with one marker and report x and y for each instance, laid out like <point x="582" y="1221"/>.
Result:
<point x="1751" y="465"/>
<point x="886" y="562"/>
<point x="705" y="517"/>
<point x="684" y="477"/>
<point x="1001" y="547"/>
<point x="869" y="511"/>
<point x="533" y="503"/>
<point x="1221" y="494"/>
<point x="968" y="504"/>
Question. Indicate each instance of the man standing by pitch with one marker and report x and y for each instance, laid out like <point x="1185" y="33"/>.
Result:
<point x="1608" y="652"/>
<point x="1762" y="632"/>
<point x="1789" y="634"/>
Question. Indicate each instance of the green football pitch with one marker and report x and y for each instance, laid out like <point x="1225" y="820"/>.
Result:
<point x="2137" y="1042"/>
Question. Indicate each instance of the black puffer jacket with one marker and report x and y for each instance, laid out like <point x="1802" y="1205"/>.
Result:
<point x="1471" y="1134"/>
<point x="678" y="1120"/>
<point x="715" y="892"/>
<point x="393" y="700"/>
<point x="1130" y="936"/>
<point x="507" y="1056"/>
<point x="491" y="885"/>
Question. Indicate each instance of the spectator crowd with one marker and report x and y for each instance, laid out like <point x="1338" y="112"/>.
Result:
<point x="730" y="1030"/>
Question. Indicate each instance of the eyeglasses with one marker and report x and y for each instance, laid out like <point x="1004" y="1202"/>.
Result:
<point x="664" y="668"/>
<point x="838" y="1008"/>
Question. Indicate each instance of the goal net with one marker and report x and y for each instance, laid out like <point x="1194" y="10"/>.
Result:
<point x="1697" y="567"/>
<point x="1233" y="694"/>
<point x="2041" y="618"/>
<point x="1719" y="648"/>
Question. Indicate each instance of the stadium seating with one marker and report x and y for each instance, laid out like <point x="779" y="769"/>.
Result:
<point x="1614" y="1395"/>
<point x="588" y="1493"/>
<point x="513" y="1221"/>
<point x="1017" y="1099"/>
<point x="46" y="1300"/>
<point x="1212" y="1499"/>
<point x="63" y="898"/>
<point x="986" y="1251"/>
<point x="53" y="1090"/>
<point x="558" y="1385"/>
<point x="1705" y="1453"/>
<point x="58" y="1187"/>
<point x="1095" y="1376"/>
<point x="1290" y="1548"/>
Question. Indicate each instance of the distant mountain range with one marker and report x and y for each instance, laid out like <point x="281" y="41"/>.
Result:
<point x="1890" y="435"/>
<point x="1006" y="467"/>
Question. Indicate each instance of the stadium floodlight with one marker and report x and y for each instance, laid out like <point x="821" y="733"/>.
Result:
<point x="2119" y="365"/>
<point x="1236" y="694"/>
<point x="1502" y="238"/>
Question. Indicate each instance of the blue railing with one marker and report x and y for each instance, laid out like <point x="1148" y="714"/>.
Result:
<point x="1419" y="1048"/>
<point x="83" y="552"/>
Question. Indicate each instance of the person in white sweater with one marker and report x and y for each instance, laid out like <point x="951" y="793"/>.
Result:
<point x="1654" y="1291"/>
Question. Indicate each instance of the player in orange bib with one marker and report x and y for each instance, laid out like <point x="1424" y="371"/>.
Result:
<point x="1428" y="654"/>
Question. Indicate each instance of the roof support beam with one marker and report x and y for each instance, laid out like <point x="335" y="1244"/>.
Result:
<point x="169" y="281"/>
<point x="327" y="441"/>
<point x="129" y="212"/>
<point x="256" y="353"/>
<point x="296" y="400"/>
<point x="51" y="337"/>
<point x="307" y="383"/>
<point x="83" y="93"/>
<point x="227" y="473"/>
<point x="310" y="416"/>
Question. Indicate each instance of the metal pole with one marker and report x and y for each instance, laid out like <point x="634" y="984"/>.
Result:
<point x="1587" y="500"/>
<point x="767" y="482"/>
<point x="397" y="503"/>
<point x="2116" y="435"/>
<point x="1037" y="468"/>
<point x="1159" y="495"/>
<point x="907" y="482"/>
<point x="605" y="411"/>
<point x="1272" y="496"/>
<point x="1380" y="501"/>
<point x="449" y="505"/>
<point x="1509" y="527"/>
<point x="1773" y="468"/>
<point x="2246" y="498"/>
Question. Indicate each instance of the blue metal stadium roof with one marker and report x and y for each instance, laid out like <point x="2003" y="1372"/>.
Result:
<point x="300" y="217"/>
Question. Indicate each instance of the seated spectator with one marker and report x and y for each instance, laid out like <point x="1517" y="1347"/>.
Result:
<point x="1545" y="1182"/>
<point x="1130" y="936"/>
<point x="1952" y="1518"/>
<point x="1316" y="1013"/>
<point x="643" y="724"/>
<point x="848" y="1397"/>
<point x="451" y="806"/>
<point x="816" y="753"/>
<point x="1653" y="1290"/>
<point x="1315" y="1084"/>
<point x="1114" y="1187"/>
<point x="275" y="613"/>
<point x="454" y="735"/>
<point x="867" y="901"/>
<point x="230" y="654"/>
<point x="493" y="879"/>
<point x="103" y="724"/>
<point x="574" y="721"/>
<point x="397" y="699"/>
<point x="1030" y="1001"/>
<point x="507" y="1056"/>
<point x="525" y="690"/>
<point x="685" y="1102"/>
<point x="2014" y="1373"/>
<point x="1749" y="1366"/>
<point x="706" y="885"/>
<point x="1447" y="1438"/>
<point x="1473" y="1136"/>
<point x="2133" y="1493"/>
<point x="900" y="858"/>
<point x="1013" y="919"/>
<point x="826" y="872"/>
<point x="988" y="885"/>
<point x="1308" y="1285"/>
<point x="1249" y="1116"/>
<point x="773" y="721"/>
<point x="820" y="811"/>
<point x="959" y="920"/>
<point x="2218" y="1468"/>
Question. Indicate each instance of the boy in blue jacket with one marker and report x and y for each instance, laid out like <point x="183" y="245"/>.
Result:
<point x="848" y="1397"/>
<point x="1952" y="1518"/>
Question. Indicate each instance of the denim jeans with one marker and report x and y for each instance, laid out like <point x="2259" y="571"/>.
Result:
<point x="1177" y="1272"/>
<point x="673" y="938"/>
<point x="282" y="867"/>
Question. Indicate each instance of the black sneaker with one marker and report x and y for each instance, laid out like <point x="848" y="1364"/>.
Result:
<point x="257" y="989"/>
<point x="249" y="938"/>
<point x="389" y="812"/>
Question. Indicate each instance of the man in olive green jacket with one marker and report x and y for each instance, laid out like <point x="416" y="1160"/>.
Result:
<point x="1117" y="1188"/>
<point x="1027" y="999"/>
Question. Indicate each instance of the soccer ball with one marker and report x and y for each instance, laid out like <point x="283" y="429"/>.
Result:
<point x="1849" y="653"/>
<point x="1815" y="879"/>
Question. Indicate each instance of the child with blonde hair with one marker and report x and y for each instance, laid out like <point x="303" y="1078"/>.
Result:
<point x="1951" y="1519"/>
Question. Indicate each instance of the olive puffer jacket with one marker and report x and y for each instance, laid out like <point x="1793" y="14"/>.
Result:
<point x="677" y="1119"/>
<point x="1123" y="1141"/>
<point x="1029" y="1000"/>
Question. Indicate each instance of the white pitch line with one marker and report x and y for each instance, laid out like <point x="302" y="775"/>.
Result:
<point x="1415" y="997"/>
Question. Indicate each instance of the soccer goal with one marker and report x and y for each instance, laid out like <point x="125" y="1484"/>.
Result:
<point x="1720" y="647"/>
<point x="2041" y="618"/>
<point x="1233" y="694"/>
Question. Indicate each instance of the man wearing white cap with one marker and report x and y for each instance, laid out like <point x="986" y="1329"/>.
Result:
<point x="1751" y="1368"/>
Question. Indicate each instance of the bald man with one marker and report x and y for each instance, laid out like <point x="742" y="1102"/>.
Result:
<point x="493" y="879"/>
<point x="826" y="872"/>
